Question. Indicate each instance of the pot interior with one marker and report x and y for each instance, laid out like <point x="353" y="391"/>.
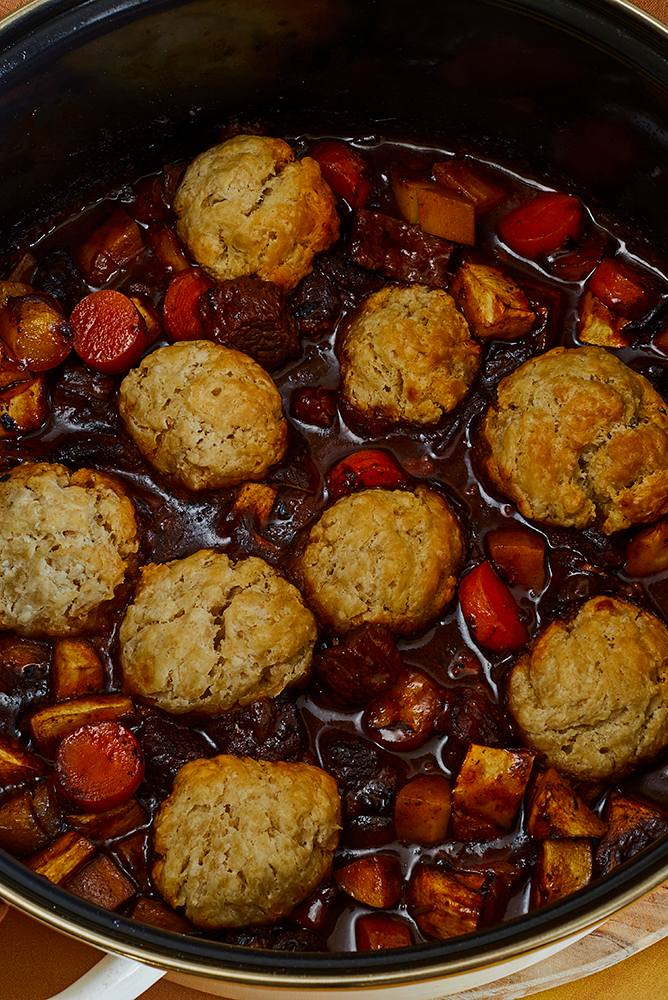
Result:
<point x="94" y="93"/>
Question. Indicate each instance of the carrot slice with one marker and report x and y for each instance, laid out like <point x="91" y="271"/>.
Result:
<point x="109" y="332"/>
<point x="363" y="469"/>
<point x="180" y="311"/>
<point x="542" y="225"/>
<point x="620" y="288"/>
<point x="491" y="611"/>
<point x="99" y="766"/>
<point x="345" y="171"/>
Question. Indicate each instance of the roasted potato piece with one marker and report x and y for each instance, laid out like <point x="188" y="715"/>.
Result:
<point x="647" y="552"/>
<point x="47" y="808"/>
<point x="51" y="724"/>
<point x="23" y="407"/>
<point x="422" y="810"/>
<point x="631" y="825"/>
<point x="102" y="882"/>
<point x="63" y="857"/>
<point x="256" y="499"/>
<point x="519" y="554"/>
<point x="133" y="853"/>
<point x="440" y="211"/>
<point x="115" y="242"/>
<point x="563" y="867"/>
<point x="110" y="824"/>
<point x="16" y="763"/>
<point x="155" y="913"/>
<point x="36" y="331"/>
<point x="494" y="305"/>
<point x="21" y="832"/>
<point x="488" y="791"/>
<point x="470" y="181"/>
<point x="12" y="289"/>
<point x="376" y="932"/>
<point x="599" y="325"/>
<point x="375" y="881"/>
<point x="165" y="245"/>
<point x="556" y="811"/>
<point x="76" y="669"/>
<point x="447" y="903"/>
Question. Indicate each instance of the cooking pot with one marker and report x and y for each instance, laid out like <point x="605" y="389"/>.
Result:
<point x="573" y="91"/>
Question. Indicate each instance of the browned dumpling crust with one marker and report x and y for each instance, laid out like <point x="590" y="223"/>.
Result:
<point x="384" y="556"/>
<point x="204" y="633"/>
<point x="408" y="356"/>
<point x="577" y="437"/>
<point x="247" y="207"/>
<point x="592" y="695"/>
<point x="241" y="841"/>
<point x="66" y="544"/>
<point x="205" y="415"/>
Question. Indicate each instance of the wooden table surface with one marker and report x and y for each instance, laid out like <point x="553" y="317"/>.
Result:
<point x="27" y="949"/>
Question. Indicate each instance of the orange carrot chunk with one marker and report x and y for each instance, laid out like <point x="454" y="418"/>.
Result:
<point x="491" y="611"/>
<point x="345" y="171"/>
<point x="364" y="469"/>
<point x="542" y="225"/>
<point x="180" y="312"/>
<point x="99" y="766"/>
<point x="109" y="332"/>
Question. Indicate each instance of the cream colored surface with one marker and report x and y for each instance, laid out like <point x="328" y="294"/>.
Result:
<point x="206" y="415"/>
<point x="578" y="436"/>
<point x="242" y="841"/>
<point x="593" y="692"/>
<point x="408" y="356"/>
<point x="384" y="556"/>
<point x="65" y="541"/>
<point x="204" y="633"/>
<point x="247" y="206"/>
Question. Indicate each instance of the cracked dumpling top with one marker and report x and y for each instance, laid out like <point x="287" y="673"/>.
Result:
<point x="592" y="695"/>
<point x="67" y="542"/>
<point x="247" y="207"/>
<point x="242" y="841"/>
<point x="385" y="556"/>
<point x="204" y="633"/>
<point x="407" y="357"/>
<point x="576" y="436"/>
<point x="206" y="415"/>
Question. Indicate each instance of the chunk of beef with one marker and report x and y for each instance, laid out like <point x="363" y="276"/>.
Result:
<point x="367" y="777"/>
<point x="363" y="665"/>
<point x="251" y="316"/>
<point x="267" y="729"/>
<point x="399" y="251"/>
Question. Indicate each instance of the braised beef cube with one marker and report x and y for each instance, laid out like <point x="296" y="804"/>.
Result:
<point x="349" y="276"/>
<point x="365" y="664"/>
<point x="267" y="729"/>
<point x="102" y="882"/>
<point x="316" y="304"/>
<point x="632" y="825"/>
<point x="475" y="719"/>
<point x="398" y="250"/>
<point x="251" y="316"/>
<point x="314" y="405"/>
<point x="24" y="667"/>
<point x="367" y="777"/>
<point x="365" y="832"/>
<point x="168" y="746"/>
<point x="59" y="276"/>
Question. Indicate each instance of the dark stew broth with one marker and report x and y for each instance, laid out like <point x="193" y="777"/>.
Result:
<point x="370" y="760"/>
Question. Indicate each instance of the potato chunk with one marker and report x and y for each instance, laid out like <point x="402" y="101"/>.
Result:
<point x="375" y="880"/>
<point x="563" y="867"/>
<point x="631" y="826"/>
<point x="76" y="669"/>
<point x="599" y="325"/>
<point x="494" y="305"/>
<point x="62" y="858"/>
<point x="488" y="791"/>
<point x="447" y="903"/>
<point x="439" y="210"/>
<point x="556" y="811"/>
<point x="17" y="764"/>
<point x="422" y="810"/>
<point x="51" y="724"/>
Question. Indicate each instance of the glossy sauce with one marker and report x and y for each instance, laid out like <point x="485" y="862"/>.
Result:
<point x="83" y="429"/>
